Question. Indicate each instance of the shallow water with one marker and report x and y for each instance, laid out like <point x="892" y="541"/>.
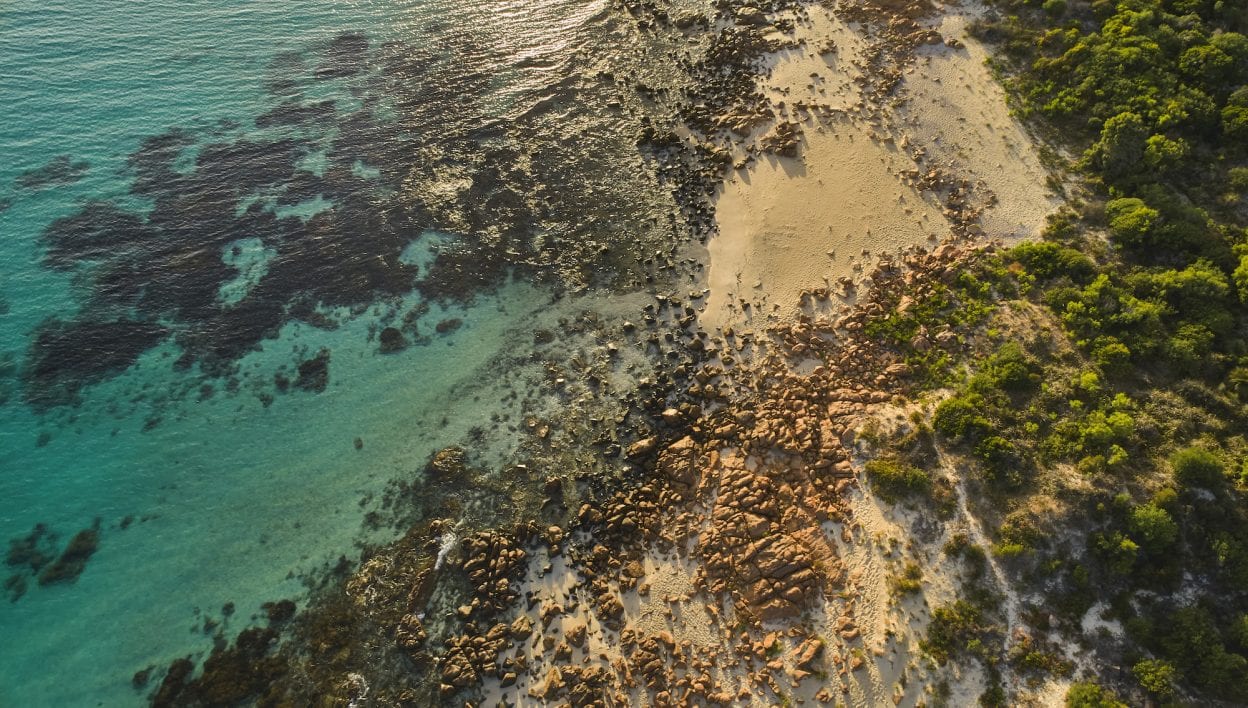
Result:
<point x="318" y="161"/>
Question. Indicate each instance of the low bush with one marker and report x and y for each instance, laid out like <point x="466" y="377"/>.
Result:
<point x="894" y="480"/>
<point x="1197" y="467"/>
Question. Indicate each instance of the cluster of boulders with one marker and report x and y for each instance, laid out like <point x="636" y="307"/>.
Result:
<point x="581" y="686"/>
<point x="447" y="462"/>
<point x="678" y="464"/>
<point x="896" y="29"/>
<point x="742" y="123"/>
<point x="471" y="656"/>
<point x="783" y="139"/>
<point x="773" y="469"/>
<point x="961" y="207"/>
<point x="410" y="632"/>
<point x="750" y="552"/>
<point x="629" y="517"/>
<point x="494" y="563"/>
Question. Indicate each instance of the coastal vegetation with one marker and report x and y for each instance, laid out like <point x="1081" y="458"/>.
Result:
<point x="1100" y="400"/>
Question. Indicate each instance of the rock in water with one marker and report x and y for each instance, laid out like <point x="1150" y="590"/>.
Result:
<point x="74" y="559"/>
<point x="314" y="373"/>
<point x="392" y="340"/>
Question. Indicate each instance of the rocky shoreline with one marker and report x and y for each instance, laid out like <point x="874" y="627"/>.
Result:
<point x="738" y="500"/>
<point x="683" y="539"/>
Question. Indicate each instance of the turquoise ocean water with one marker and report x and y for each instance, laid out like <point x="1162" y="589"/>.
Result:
<point x="213" y="487"/>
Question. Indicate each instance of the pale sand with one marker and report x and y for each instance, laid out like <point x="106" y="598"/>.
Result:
<point x="788" y="225"/>
<point x="959" y="110"/>
<point x="785" y="226"/>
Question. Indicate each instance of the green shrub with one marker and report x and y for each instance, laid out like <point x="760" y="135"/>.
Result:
<point x="1009" y="369"/>
<point x="1198" y="293"/>
<point x="1117" y="552"/>
<point x="1235" y="122"/>
<point x="1156" y="676"/>
<point x="994" y="696"/>
<point x="1197" y="467"/>
<point x="960" y="546"/>
<point x="1120" y="150"/>
<point x="1189" y="348"/>
<point x="1190" y="640"/>
<point x="1240" y="276"/>
<point x="1047" y="260"/>
<point x="1086" y="694"/>
<point x="1163" y="154"/>
<point x="961" y="417"/>
<point x="954" y="629"/>
<point x="909" y="581"/>
<point x="1239" y="631"/>
<point x="1091" y="465"/>
<point x="1132" y="221"/>
<point x="1238" y="178"/>
<point x="1018" y="535"/>
<point x="1153" y="527"/>
<point x="1112" y="356"/>
<point x="894" y="480"/>
<point x="1001" y="459"/>
<point x="1054" y="8"/>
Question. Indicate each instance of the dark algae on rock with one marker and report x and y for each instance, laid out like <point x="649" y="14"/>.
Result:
<point x="232" y="675"/>
<point x="37" y="554"/>
<point x="60" y="170"/>
<point x="159" y="274"/>
<point x="73" y="560"/>
<point x="314" y="373"/>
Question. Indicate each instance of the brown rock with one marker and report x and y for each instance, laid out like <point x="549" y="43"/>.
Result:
<point x="522" y="627"/>
<point x="642" y="447"/>
<point x="576" y="635"/>
<point x="806" y="653"/>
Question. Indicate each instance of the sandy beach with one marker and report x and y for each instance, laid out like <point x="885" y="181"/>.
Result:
<point x="872" y="174"/>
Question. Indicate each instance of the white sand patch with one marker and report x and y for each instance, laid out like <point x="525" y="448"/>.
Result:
<point x="1094" y="623"/>
<point x="957" y="110"/>
<point x="792" y="224"/>
<point x="667" y="605"/>
<point x="789" y="225"/>
<point x="808" y="75"/>
<point x="882" y="542"/>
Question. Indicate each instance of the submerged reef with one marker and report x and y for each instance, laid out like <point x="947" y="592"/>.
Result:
<point x="73" y="560"/>
<point x="335" y="191"/>
<point x="35" y="556"/>
<point x="314" y="372"/>
<point x="59" y="171"/>
<point x="231" y="674"/>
